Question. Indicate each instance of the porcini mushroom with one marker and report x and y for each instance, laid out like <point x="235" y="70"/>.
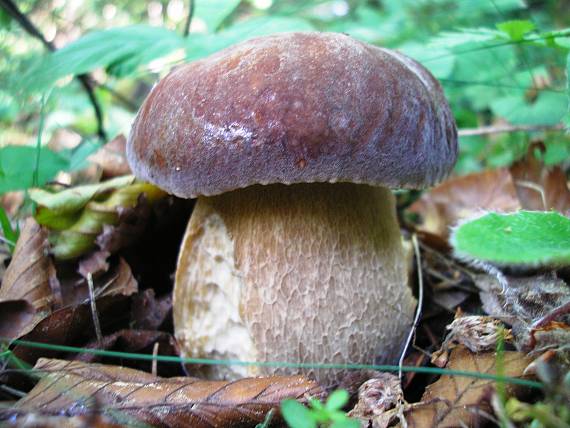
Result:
<point x="290" y="143"/>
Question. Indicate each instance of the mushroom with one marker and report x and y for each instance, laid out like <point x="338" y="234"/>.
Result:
<point x="291" y="142"/>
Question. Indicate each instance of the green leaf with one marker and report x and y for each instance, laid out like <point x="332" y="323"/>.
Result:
<point x="55" y="210"/>
<point x="126" y="47"/>
<point x="296" y="415"/>
<point x="455" y="39"/>
<point x="17" y="165"/>
<point x="201" y="45"/>
<point x="10" y="234"/>
<point x="346" y="423"/>
<point x="532" y="238"/>
<point x="214" y="12"/>
<point x="337" y="400"/>
<point x="548" y="109"/>
<point x="516" y="29"/>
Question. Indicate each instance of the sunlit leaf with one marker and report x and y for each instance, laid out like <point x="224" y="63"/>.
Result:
<point x="127" y="47"/>
<point x="523" y="238"/>
<point x="214" y="12"/>
<point x="516" y="29"/>
<point x="296" y="415"/>
<point x="17" y="164"/>
<point x="548" y="109"/>
<point x="202" y="45"/>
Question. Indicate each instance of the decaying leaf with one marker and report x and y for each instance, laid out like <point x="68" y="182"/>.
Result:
<point x="31" y="278"/>
<point x="477" y="333"/>
<point x="73" y="323"/>
<point x="523" y="302"/>
<point x="139" y="342"/>
<point x="464" y="197"/>
<point x="380" y="401"/>
<point x="127" y="396"/>
<point x="112" y="158"/>
<point x="528" y="184"/>
<point x="77" y="216"/>
<point x="540" y="187"/>
<point x="32" y="420"/>
<point x="149" y="312"/>
<point x="454" y="401"/>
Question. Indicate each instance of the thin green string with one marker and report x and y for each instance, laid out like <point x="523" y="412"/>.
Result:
<point x="206" y="361"/>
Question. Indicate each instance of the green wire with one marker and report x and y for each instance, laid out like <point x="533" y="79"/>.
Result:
<point x="206" y="361"/>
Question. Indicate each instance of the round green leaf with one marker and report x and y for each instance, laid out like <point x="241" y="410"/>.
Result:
<point x="524" y="238"/>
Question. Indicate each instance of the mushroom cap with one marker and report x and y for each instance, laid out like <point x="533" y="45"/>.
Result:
<point x="294" y="108"/>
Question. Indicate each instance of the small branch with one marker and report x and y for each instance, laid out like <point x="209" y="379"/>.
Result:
<point x="501" y="129"/>
<point x="189" y="19"/>
<point x="94" y="313"/>
<point x="10" y="7"/>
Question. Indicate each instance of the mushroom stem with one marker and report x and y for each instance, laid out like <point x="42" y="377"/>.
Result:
<point x="308" y="273"/>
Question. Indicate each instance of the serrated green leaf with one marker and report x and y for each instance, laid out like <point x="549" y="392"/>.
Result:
<point x="531" y="238"/>
<point x="296" y="415"/>
<point x="214" y="12"/>
<point x="516" y="29"/>
<point x="337" y="400"/>
<point x="133" y="46"/>
<point x="548" y="109"/>
<point x="455" y="39"/>
<point x="17" y="164"/>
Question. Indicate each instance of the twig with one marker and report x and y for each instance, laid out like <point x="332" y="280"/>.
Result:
<point x="154" y="368"/>
<point x="94" y="309"/>
<point x="189" y="19"/>
<point x="420" y="304"/>
<point x="501" y="129"/>
<point x="10" y="7"/>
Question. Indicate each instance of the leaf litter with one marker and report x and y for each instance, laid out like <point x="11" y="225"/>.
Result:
<point x="45" y="297"/>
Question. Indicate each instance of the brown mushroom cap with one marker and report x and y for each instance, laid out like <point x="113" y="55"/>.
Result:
<point x="294" y="108"/>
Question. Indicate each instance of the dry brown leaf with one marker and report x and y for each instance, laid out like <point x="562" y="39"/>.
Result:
<point x="463" y="197"/>
<point x="112" y="158"/>
<point x="380" y="401"/>
<point x="149" y="312"/>
<point x="139" y="342"/>
<point x="454" y="401"/>
<point x="73" y="324"/>
<point x="29" y="277"/>
<point x="523" y="302"/>
<point x="126" y="395"/>
<point x="540" y="187"/>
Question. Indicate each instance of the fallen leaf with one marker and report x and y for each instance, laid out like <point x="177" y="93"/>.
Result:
<point x="149" y="312"/>
<point x="379" y="401"/>
<point x="94" y="263"/>
<point x="32" y="420"/>
<point x="117" y="281"/>
<point x="464" y="197"/>
<point x="539" y="187"/>
<point x="73" y="323"/>
<point x="29" y="277"/>
<point x="522" y="302"/>
<point x="454" y="401"/>
<point x="477" y="333"/>
<point x="112" y="158"/>
<point x="127" y="396"/>
<point x="139" y="342"/>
